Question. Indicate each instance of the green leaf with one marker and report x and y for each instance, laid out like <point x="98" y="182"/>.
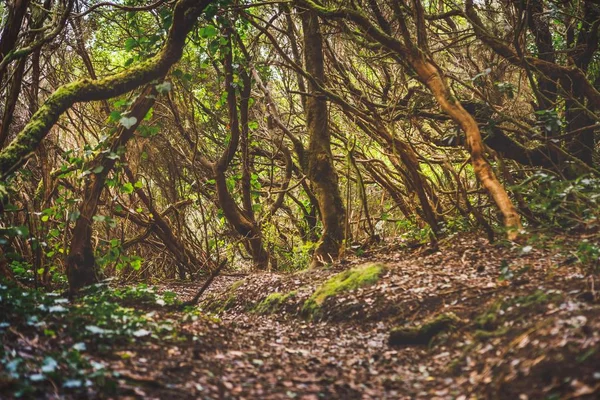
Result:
<point x="149" y="114"/>
<point x="121" y="103"/>
<point x="115" y="116"/>
<point x="21" y="230"/>
<point x="130" y="44"/>
<point x="136" y="263"/>
<point x="208" y="31"/>
<point x="127" y="188"/>
<point x="98" y="169"/>
<point x="128" y="122"/>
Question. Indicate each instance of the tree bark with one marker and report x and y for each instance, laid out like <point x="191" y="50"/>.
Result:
<point x="184" y="16"/>
<point x="321" y="171"/>
<point x="81" y="264"/>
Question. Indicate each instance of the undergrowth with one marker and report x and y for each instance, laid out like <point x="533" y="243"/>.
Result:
<point x="92" y="324"/>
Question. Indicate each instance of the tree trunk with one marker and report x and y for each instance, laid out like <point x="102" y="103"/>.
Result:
<point x="434" y="80"/>
<point x="81" y="264"/>
<point x="321" y="171"/>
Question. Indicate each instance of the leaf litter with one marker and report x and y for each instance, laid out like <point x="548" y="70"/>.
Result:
<point x="529" y="329"/>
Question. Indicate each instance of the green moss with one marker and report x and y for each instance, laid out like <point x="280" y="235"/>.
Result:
<point x="236" y="285"/>
<point x="345" y="281"/>
<point x="488" y="320"/>
<point x="481" y="334"/>
<point x="225" y="301"/>
<point x="539" y="297"/>
<point x="273" y="302"/>
<point x="423" y="334"/>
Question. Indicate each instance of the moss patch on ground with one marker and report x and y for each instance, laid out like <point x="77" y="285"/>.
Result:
<point x="351" y="279"/>
<point x="273" y="302"/>
<point x="225" y="301"/>
<point x="423" y="334"/>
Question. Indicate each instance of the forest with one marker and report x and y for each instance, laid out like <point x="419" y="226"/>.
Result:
<point x="300" y="199"/>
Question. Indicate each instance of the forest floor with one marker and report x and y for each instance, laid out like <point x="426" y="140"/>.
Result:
<point x="473" y="320"/>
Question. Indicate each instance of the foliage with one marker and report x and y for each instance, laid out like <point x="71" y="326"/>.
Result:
<point x="563" y="203"/>
<point x="92" y="324"/>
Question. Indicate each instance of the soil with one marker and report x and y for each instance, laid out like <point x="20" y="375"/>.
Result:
<point x="528" y="328"/>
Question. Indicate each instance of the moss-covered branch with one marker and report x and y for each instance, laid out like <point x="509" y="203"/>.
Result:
<point x="184" y="15"/>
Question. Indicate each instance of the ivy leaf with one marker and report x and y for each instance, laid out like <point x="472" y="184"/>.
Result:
<point x="128" y="122"/>
<point x="208" y="31"/>
<point x="127" y="188"/>
<point x="115" y="116"/>
<point x="49" y="365"/>
<point x="98" y="169"/>
<point x="164" y="88"/>
<point x="136" y="264"/>
<point x="74" y="215"/>
<point x="141" y="333"/>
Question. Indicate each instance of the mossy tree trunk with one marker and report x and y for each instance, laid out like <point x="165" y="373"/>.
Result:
<point x="320" y="169"/>
<point x="81" y="264"/>
<point x="14" y="155"/>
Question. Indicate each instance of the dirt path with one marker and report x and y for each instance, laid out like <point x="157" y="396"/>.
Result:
<point x="524" y="324"/>
<point x="533" y="333"/>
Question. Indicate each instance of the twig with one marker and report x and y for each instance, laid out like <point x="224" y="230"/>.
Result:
<point x="212" y="276"/>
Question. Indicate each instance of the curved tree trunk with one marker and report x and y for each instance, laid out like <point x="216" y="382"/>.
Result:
<point x="184" y="16"/>
<point x="434" y="80"/>
<point x="321" y="171"/>
<point x="81" y="264"/>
